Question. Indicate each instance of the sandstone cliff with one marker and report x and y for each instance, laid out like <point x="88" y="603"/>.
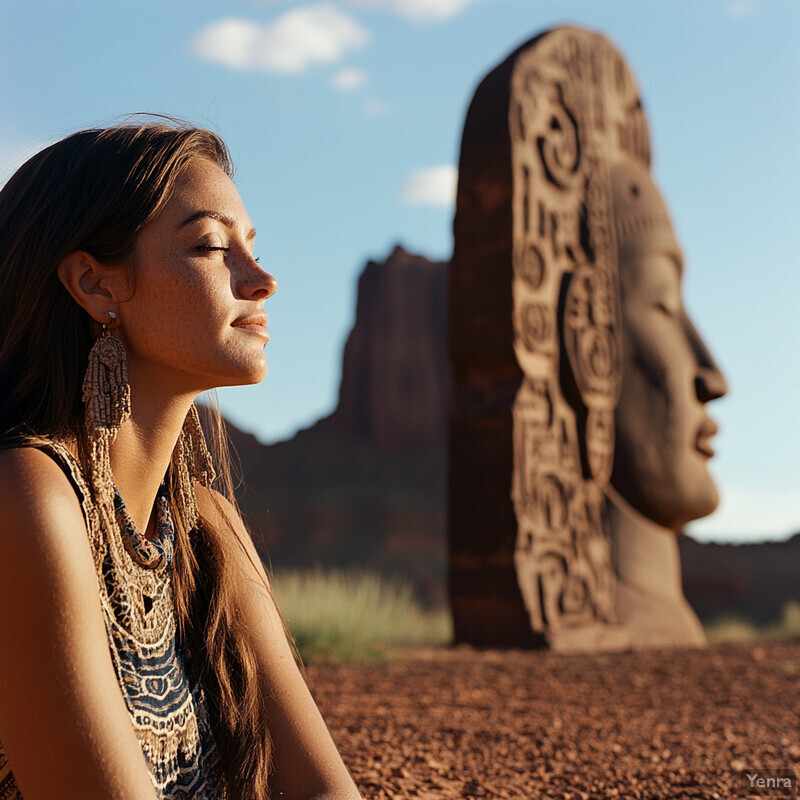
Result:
<point x="394" y="386"/>
<point x="365" y="486"/>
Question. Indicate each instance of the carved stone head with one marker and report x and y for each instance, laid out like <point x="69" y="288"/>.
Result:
<point x="569" y="379"/>
<point x="663" y="432"/>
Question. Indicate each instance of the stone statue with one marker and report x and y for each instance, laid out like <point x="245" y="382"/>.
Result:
<point x="578" y="434"/>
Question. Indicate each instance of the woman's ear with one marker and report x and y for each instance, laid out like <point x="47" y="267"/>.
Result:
<point x="95" y="288"/>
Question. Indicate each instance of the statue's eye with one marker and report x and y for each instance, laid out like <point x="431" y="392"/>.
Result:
<point x="666" y="309"/>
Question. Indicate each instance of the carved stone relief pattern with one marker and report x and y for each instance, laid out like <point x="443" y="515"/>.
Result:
<point x="574" y="109"/>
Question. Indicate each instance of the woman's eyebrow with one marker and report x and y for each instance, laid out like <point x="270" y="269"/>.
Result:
<point x="226" y="220"/>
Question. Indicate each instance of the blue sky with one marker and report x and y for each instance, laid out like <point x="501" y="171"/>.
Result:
<point x="344" y="118"/>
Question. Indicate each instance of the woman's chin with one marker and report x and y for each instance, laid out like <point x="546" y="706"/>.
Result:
<point x="254" y="375"/>
<point x="245" y="375"/>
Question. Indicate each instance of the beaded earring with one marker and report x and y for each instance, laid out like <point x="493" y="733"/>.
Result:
<point x="107" y="398"/>
<point x="193" y="465"/>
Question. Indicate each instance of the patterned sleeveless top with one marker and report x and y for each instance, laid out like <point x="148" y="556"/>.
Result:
<point x="165" y="702"/>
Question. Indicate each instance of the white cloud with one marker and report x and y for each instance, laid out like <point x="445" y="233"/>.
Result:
<point x="431" y="186"/>
<point x="349" y="79"/>
<point x="374" y="107"/>
<point x="750" y="514"/>
<point x="295" y="41"/>
<point x="417" y="10"/>
<point x="742" y="8"/>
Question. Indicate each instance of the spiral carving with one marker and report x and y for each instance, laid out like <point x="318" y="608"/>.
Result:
<point x="559" y="145"/>
<point x="541" y="134"/>
<point x="574" y="108"/>
<point x="590" y="337"/>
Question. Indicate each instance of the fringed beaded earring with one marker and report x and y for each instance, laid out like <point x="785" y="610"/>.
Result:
<point x="193" y="465"/>
<point x="107" y="397"/>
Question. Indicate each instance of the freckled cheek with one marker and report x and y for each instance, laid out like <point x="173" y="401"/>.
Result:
<point x="176" y="313"/>
<point x="199" y="300"/>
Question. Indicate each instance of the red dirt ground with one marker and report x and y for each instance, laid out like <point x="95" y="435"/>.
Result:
<point x="656" y="724"/>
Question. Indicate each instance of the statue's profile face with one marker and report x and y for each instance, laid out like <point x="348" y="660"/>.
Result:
<point x="663" y="430"/>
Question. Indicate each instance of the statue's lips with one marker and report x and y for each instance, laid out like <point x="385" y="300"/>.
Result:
<point x="708" y="430"/>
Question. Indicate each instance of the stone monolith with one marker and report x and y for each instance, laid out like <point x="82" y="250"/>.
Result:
<point x="578" y="436"/>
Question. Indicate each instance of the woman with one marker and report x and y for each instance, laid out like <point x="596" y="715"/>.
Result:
<point x="141" y="654"/>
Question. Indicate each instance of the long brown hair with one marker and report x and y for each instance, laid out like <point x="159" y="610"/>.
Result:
<point x="95" y="191"/>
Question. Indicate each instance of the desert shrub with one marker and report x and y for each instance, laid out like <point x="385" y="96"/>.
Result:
<point x="346" y="615"/>
<point x="788" y="628"/>
<point x="732" y="628"/>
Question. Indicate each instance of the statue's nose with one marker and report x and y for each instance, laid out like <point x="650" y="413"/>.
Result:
<point x="709" y="382"/>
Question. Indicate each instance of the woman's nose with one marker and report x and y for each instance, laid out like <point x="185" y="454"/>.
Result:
<point x="256" y="283"/>
<point x="270" y="284"/>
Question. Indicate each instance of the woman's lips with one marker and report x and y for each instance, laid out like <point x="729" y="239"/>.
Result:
<point x="255" y="324"/>
<point x="705" y="434"/>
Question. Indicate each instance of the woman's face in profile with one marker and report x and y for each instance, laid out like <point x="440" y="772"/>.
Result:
<point x="196" y="319"/>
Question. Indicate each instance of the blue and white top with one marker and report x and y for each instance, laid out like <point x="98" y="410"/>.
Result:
<point x="165" y="702"/>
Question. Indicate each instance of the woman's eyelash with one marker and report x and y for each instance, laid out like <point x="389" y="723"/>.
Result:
<point x="207" y="248"/>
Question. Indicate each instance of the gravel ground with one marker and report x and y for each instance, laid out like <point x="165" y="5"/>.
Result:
<point x="656" y="724"/>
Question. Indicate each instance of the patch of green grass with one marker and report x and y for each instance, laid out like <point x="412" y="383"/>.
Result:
<point x="731" y="628"/>
<point x="337" y="616"/>
<point x="734" y="628"/>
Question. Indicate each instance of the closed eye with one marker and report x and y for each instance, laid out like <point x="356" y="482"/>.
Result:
<point x="665" y="309"/>
<point x="208" y="248"/>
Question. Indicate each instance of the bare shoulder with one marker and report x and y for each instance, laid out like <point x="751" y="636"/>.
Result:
<point x="307" y="763"/>
<point x="223" y="517"/>
<point x="36" y="498"/>
<point x="27" y="462"/>
<point x="65" y="727"/>
<point x="43" y="537"/>
<point x="215" y="508"/>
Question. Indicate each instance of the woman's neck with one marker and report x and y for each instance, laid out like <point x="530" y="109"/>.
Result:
<point x="141" y="453"/>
